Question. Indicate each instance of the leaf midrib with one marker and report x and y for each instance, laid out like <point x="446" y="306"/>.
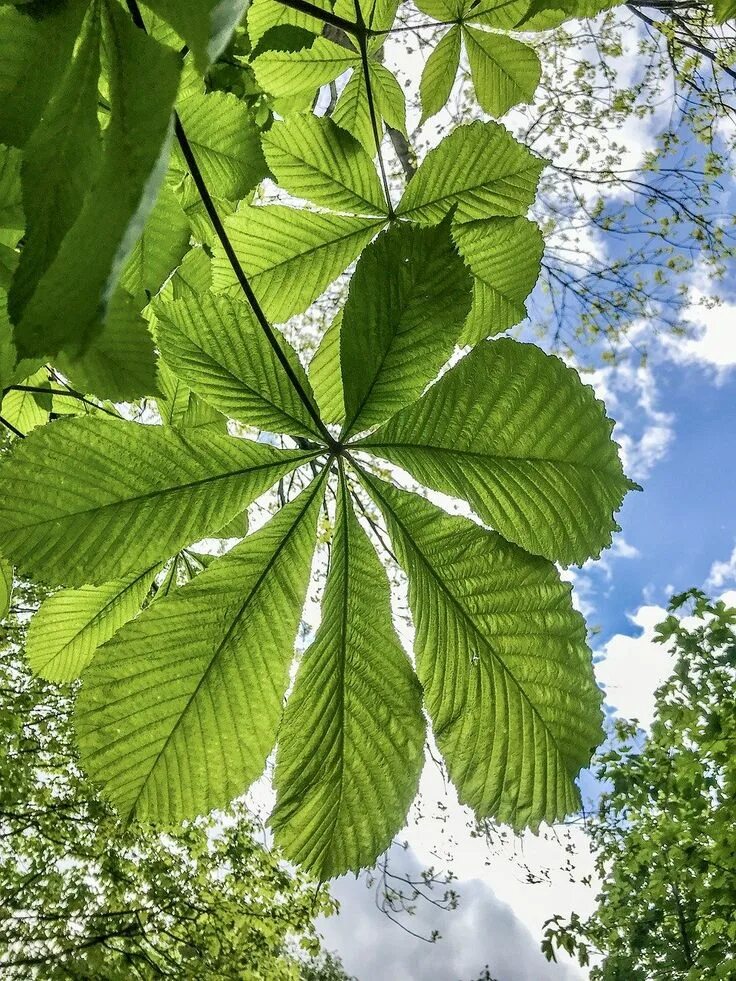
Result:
<point x="166" y="490"/>
<point x="454" y="451"/>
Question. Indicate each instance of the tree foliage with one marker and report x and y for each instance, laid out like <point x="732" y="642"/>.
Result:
<point x="157" y="276"/>
<point x="82" y="897"/>
<point x="663" y="832"/>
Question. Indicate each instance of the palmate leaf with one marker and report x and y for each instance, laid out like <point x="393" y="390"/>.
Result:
<point x="505" y="256"/>
<point x="505" y="71"/>
<point x="350" y="747"/>
<point x="6" y="587"/>
<point x="59" y="164"/>
<point x="205" y="25"/>
<point x="70" y="625"/>
<point x="480" y="170"/>
<point x="92" y="499"/>
<point x="65" y="310"/>
<point x="501" y="655"/>
<point x="408" y="300"/>
<point x="225" y="141"/>
<point x="439" y="73"/>
<point x="216" y="345"/>
<point x="290" y="255"/>
<point x="312" y="158"/>
<point x="514" y="432"/>
<point x="220" y="649"/>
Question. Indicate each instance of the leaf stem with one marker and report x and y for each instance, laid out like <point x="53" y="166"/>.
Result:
<point x="362" y="37"/>
<point x="11" y="427"/>
<point x="214" y="217"/>
<point x="304" y="7"/>
<point x="68" y="393"/>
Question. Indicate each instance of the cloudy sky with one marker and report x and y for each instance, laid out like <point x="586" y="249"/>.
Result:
<point x="675" y="422"/>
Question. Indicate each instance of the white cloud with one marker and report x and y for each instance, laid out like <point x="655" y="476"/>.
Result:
<point x="714" y="343"/>
<point x="722" y="573"/>
<point x="632" y="668"/>
<point x="483" y="930"/>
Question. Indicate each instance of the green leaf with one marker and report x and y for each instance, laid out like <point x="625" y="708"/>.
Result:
<point x="60" y="164"/>
<point x="178" y="406"/>
<point x="216" y="345"/>
<point x="287" y="73"/>
<point x="12" y="218"/>
<point x="439" y="73"/>
<point x="504" y="14"/>
<point x="35" y="48"/>
<point x="91" y="499"/>
<point x="163" y="242"/>
<point x="543" y="14"/>
<point x="505" y="71"/>
<point x="724" y="10"/>
<point x="225" y="141"/>
<point x="290" y="255"/>
<point x="205" y="25"/>
<point x="220" y="648"/>
<point x="264" y="15"/>
<point x="408" y="300"/>
<point x="194" y="275"/>
<point x="119" y="363"/>
<point x="388" y="96"/>
<point x="6" y="587"/>
<point x="514" y="432"/>
<point x="326" y="377"/>
<point x="480" y="170"/>
<point x="65" y="311"/>
<point x="352" y="111"/>
<point x="501" y="654"/>
<point x="312" y="158"/>
<point x="70" y="625"/>
<point x="505" y="256"/>
<point x="28" y="410"/>
<point x="444" y="10"/>
<point x="351" y="743"/>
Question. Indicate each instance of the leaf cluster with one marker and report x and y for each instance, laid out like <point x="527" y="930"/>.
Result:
<point x="160" y="240"/>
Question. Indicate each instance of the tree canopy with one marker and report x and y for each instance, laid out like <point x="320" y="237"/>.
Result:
<point x="663" y="831"/>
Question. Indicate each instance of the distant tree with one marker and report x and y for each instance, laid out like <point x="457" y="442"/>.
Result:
<point x="663" y="833"/>
<point x="83" y="897"/>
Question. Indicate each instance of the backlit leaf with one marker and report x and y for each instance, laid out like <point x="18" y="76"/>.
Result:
<point x="501" y="655"/>
<point x="505" y="71"/>
<point x="408" y="300"/>
<point x="439" y="73"/>
<point x="290" y="255"/>
<point x="313" y="158"/>
<point x="216" y="345"/>
<point x="514" y="432"/>
<point x="351" y="743"/>
<point x="70" y="625"/>
<point x="220" y="649"/>
<point x="480" y="170"/>
<point x="91" y="499"/>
